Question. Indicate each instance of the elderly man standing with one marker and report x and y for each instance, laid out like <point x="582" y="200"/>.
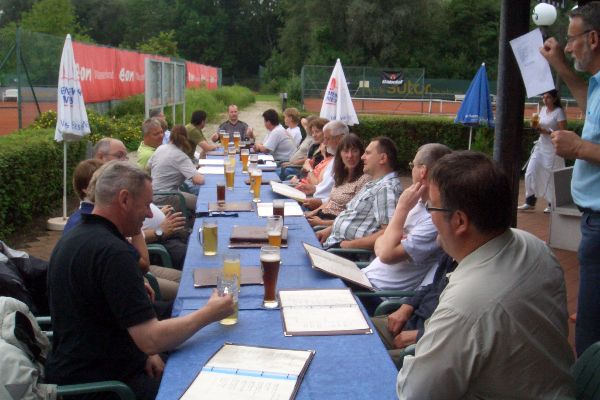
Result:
<point x="583" y="44"/>
<point x="153" y="136"/>
<point x="278" y="141"/>
<point x="103" y="321"/>
<point x="233" y="124"/>
<point x="500" y="329"/>
<point x="367" y="215"/>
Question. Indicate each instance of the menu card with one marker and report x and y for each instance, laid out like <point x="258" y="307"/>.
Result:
<point x="288" y="191"/>
<point x="238" y="206"/>
<point x="211" y="170"/>
<point x="317" y="312"/>
<point x="211" y="161"/>
<point x="250" y="372"/>
<point x="253" y="237"/>
<point x="291" y="209"/>
<point x="337" y="266"/>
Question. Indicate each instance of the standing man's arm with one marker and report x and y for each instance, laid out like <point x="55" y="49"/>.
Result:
<point x="570" y="145"/>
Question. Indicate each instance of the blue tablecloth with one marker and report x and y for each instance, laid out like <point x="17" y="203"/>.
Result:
<point x="344" y="366"/>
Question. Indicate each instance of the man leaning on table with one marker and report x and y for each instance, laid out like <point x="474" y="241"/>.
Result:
<point x="583" y="44"/>
<point x="369" y="212"/>
<point x="278" y="141"/>
<point x="103" y="321"/>
<point x="500" y="329"/>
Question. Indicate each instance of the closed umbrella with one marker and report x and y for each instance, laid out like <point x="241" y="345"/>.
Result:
<point x="337" y="103"/>
<point x="71" y="117"/>
<point x="476" y="108"/>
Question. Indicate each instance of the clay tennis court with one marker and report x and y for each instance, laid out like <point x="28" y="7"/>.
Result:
<point x="9" y="114"/>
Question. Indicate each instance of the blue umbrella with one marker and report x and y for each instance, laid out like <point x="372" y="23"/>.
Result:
<point x="476" y="108"/>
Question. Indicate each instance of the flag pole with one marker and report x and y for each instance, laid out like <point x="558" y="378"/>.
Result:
<point x="64" y="180"/>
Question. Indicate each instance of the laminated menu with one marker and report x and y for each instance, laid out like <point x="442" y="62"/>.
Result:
<point x="291" y="209"/>
<point x="337" y="266"/>
<point x="250" y="372"/>
<point x="253" y="237"/>
<point x="238" y="206"/>
<point x="204" y="277"/>
<point x="317" y="312"/>
<point x="288" y="191"/>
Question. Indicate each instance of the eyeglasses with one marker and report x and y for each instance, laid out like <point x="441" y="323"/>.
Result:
<point x="429" y="209"/>
<point x="569" y="39"/>
<point x="119" y="156"/>
<point x="411" y="165"/>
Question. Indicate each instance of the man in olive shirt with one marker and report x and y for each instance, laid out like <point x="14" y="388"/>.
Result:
<point x="195" y="135"/>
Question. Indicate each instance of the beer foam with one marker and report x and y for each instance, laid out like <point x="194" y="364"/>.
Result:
<point x="270" y="257"/>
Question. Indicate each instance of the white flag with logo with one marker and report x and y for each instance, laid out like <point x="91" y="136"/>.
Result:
<point x="337" y="103"/>
<point x="71" y="118"/>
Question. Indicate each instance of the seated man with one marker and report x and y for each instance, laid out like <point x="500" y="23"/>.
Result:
<point x="104" y="324"/>
<point x="408" y="248"/>
<point x="195" y="135"/>
<point x="160" y="115"/>
<point x="233" y="124"/>
<point x="108" y="149"/>
<point x="369" y="212"/>
<point x="278" y="141"/>
<point x="500" y="329"/>
<point x="153" y="136"/>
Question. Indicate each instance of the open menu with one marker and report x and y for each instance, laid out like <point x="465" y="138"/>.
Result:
<point x="249" y="372"/>
<point x="317" y="312"/>
<point x="288" y="191"/>
<point x="337" y="266"/>
<point x="290" y="209"/>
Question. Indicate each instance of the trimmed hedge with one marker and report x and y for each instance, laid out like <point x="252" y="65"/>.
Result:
<point x="410" y="132"/>
<point x="31" y="174"/>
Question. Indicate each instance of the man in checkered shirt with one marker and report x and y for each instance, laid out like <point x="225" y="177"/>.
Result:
<point x="369" y="212"/>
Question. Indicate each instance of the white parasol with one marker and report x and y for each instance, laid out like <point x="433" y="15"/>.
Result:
<point x="71" y="117"/>
<point x="337" y="103"/>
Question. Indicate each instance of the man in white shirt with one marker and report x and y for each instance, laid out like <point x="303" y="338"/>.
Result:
<point x="500" y="329"/>
<point x="408" y="249"/>
<point x="278" y="142"/>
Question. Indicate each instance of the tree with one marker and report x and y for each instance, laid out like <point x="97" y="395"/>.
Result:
<point x="56" y="17"/>
<point x="12" y="10"/>
<point x="163" y="44"/>
<point x="104" y="20"/>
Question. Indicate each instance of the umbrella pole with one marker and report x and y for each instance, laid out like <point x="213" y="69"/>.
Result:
<point x="64" y="179"/>
<point x="470" y="136"/>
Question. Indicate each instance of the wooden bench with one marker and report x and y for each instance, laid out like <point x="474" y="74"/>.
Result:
<point x="12" y="94"/>
<point x="565" y="217"/>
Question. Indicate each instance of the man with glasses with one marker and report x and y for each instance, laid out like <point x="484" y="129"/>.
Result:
<point x="500" y="329"/>
<point x="583" y="44"/>
<point x="109" y="149"/>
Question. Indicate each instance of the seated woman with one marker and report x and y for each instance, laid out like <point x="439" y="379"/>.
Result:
<point x="313" y="156"/>
<point x="170" y="166"/>
<point x="349" y="180"/>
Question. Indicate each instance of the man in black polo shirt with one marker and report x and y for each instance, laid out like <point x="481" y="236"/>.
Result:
<point x="233" y="124"/>
<point x="104" y="324"/>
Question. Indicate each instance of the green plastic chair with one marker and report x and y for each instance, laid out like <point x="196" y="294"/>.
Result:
<point x="116" y="387"/>
<point x="586" y="372"/>
<point x="184" y="210"/>
<point x="161" y="252"/>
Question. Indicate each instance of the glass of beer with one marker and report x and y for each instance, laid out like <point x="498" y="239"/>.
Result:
<point x="535" y="120"/>
<point x="231" y="150"/>
<point x="256" y="175"/>
<point x="221" y="193"/>
<point x="207" y="235"/>
<point x="224" y="140"/>
<point x="269" y="263"/>
<point x="229" y="174"/>
<point x="244" y="155"/>
<point x="229" y="284"/>
<point x="236" y="139"/>
<point x="231" y="265"/>
<point x="231" y="160"/>
<point x="279" y="209"/>
<point x="274" y="227"/>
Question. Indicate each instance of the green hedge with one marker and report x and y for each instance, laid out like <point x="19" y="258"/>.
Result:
<point x="31" y="175"/>
<point x="410" y="132"/>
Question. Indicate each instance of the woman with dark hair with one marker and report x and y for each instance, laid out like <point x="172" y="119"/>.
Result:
<point x="349" y="180"/>
<point x="538" y="177"/>
<point x="170" y="166"/>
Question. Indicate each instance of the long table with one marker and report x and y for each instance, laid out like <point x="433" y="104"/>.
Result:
<point x="344" y="366"/>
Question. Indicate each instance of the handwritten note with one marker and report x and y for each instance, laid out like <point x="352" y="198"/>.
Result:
<point x="535" y="70"/>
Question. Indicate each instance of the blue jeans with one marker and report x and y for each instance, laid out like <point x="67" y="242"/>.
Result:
<point x="288" y="171"/>
<point x="587" y="329"/>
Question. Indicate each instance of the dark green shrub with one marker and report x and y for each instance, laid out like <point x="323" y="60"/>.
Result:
<point x="130" y="106"/>
<point x="31" y="175"/>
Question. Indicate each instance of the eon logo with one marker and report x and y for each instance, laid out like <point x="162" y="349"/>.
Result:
<point x="83" y="74"/>
<point x="126" y="76"/>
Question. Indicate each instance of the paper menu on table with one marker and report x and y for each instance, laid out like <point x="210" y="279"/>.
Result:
<point x="337" y="266"/>
<point x="266" y="157"/>
<point x="249" y="372"/>
<point x="210" y="170"/>
<point x="321" y="312"/>
<point x="291" y="209"/>
<point x="211" y="161"/>
<point x="288" y="191"/>
<point x="268" y="165"/>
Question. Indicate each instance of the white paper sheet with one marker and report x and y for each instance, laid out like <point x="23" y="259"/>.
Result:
<point x="535" y="70"/>
<point x="211" y="170"/>
<point x="287" y="191"/>
<point x="291" y="209"/>
<point x="211" y="161"/>
<point x="266" y="157"/>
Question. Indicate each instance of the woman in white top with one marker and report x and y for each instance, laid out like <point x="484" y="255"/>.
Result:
<point x="538" y="177"/>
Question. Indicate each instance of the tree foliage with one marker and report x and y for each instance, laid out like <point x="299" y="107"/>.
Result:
<point x="163" y="44"/>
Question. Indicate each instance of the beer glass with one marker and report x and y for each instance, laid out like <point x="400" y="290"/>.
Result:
<point x="256" y="175"/>
<point x="269" y="263"/>
<point x="244" y="155"/>
<point x="221" y="193"/>
<point x="279" y="209"/>
<point x="535" y="120"/>
<point x="224" y="140"/>
<point x="231" y="150"/>
<point x="236" y="140"/>
<point x="207" y="235"/>
<point x="229" y="174"/>
<point x="274" y="227"/>
<point x="231" y="265"/>
<point x="229" y="284"/>
<point x="230" y="160"/>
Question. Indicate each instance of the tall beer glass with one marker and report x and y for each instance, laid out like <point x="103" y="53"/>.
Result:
<point x="274" y="227"/>
<point x="256" y="182"/>
<point x="269" y="262"/>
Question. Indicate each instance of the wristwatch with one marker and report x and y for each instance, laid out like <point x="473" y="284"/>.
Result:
<point x="159" y="234"/>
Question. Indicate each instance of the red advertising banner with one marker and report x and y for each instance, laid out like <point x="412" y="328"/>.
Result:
<point x="108" y="73"/>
